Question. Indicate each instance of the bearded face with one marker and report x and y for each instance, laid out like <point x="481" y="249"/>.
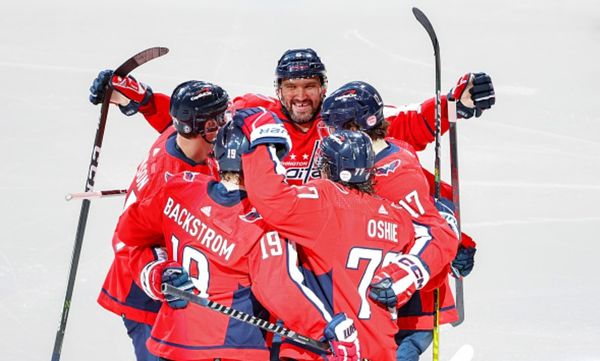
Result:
<point x="301" y="98"/>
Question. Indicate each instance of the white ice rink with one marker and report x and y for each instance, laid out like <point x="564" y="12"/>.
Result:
<point x="530" y="167"/>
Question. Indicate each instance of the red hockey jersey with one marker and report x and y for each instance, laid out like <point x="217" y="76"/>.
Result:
<point x="344" y="237"/>
<point x="400" y="179"/>
<point x="120" y="294"/>
<point x="232" y="258"/>
<point x="414" y="124"/>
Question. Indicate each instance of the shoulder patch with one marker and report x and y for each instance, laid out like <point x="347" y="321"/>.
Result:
<point x="189" y="176"/>
<point x="251" y="216"/>
<point x="388" y="168"/>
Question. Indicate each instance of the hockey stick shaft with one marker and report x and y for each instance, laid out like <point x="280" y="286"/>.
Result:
<point x="129" y="65"/>
<point x="246" y="318"/>
<point x="96" y="194"/>
<point x="458" y="283"/>
<point x="424" y="21"/>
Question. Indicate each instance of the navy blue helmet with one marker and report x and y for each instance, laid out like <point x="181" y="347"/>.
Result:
<point x="356" y="101"/>
<point x="300" y="63"/>
<point x="229" y="146"/>
<point x="194" y="103"/>
<point x="349" y="155"/>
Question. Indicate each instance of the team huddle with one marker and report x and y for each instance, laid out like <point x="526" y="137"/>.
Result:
<point x="306" y="210"/>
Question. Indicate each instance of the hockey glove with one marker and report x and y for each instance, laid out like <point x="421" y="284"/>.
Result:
<point x="395" y="283"/>
<point x="158" y="272"/>
<point x="342" y="335"/>
<point x="473" y="94"/>
<point x="464" y="261"/>
<point x="446" y="209"/>
<point x="263" y="127"/>
<point x="130" y="94"/>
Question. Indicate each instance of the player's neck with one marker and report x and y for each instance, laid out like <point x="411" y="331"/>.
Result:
<point x="303" y="127"/>
<point x="232" y="185"/>
<point x="196" y="149"/>
<point x="379" y="145"/>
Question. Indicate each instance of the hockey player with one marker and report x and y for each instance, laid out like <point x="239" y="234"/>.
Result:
<point x="212" y="232"/>
<point x="346" y="232"/>
<point x="301" y="85"/>
<point x="399" y="178"/>
<point x="197" y="109"/>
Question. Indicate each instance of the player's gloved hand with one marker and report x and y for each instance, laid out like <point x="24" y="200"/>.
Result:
<point x="464" y="261"/>
<point x="158" y="272"/>
<point x="395" y="283"/>
<point x="263" y="127"/>
<point x="473" y="93"/>
<point x="128" y="93"/>
<point x="446" y="209"/>
<point x="342" y="335"/>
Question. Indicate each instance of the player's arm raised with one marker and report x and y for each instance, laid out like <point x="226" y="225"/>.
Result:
<point x="132" y="97"/>
<point x="415" y="124"/>
<point x="283" y="206"/>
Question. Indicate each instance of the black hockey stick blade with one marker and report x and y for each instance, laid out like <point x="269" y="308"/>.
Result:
<point x="424" y="21"/>
<point x="246" y="318"/>
<point x="96" y="194"/>
<point x="140" y="58"/>
<point x="128" y="66"/>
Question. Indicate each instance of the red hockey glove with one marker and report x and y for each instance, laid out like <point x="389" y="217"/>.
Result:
<point x="343" y="338"/>
<point x="263" y="127"/>
<point x="395" y="283"/>
<point x="158" y="272"/>
<point x="473" y="93"/>
<point x="130" y="94"/>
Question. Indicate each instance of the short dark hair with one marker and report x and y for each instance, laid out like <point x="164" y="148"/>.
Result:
<point x="379" y="132"/>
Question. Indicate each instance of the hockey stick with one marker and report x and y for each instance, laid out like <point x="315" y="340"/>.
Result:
<point x="96" y="194"/>
<point x="246" y="318"/>
<point x="127" y="67"/>
<point x="424" y="21"/>
<point x="458" y="282"/>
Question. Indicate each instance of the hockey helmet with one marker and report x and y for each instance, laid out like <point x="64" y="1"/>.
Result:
<point x="300" y="63"/>
<point x="229" y="146"/>
<point x="355" y="101"/>
<point x="194" y="104"/>
<point x="349" y="156"/>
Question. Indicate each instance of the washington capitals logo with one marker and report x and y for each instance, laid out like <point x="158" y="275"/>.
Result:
<point x="388" y="168"/>
<point x="251" y="216"/>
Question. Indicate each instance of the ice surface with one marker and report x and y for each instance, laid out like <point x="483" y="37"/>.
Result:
<point x="529" y="168"/>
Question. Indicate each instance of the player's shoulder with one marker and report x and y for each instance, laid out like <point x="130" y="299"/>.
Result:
<point x="392" y="111"/>
<point x="186" y="179"/>
<point x="251" y="100"/>
<point x="402" y="145"/>
<point x="326" y="187"/>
